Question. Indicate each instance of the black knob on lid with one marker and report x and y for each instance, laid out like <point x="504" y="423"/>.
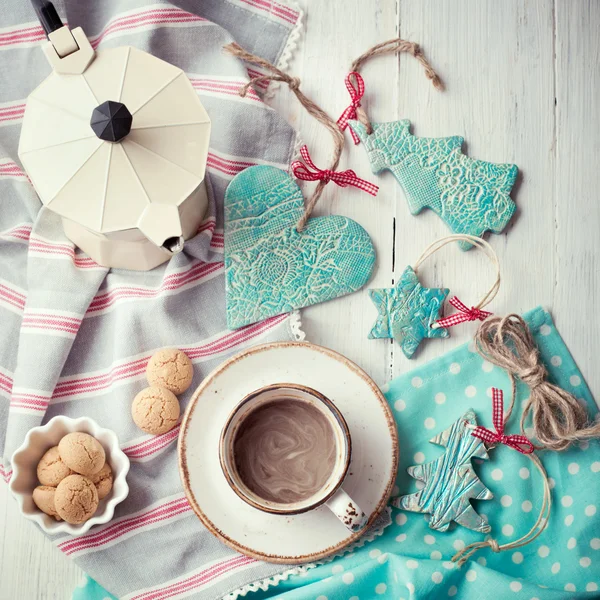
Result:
<point x="111" y="121"/>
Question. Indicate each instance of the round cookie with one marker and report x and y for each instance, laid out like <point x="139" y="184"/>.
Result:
<point x="155" y="410"/>
<point x="43" y="497"/>
<point x="51" y="470"/>
<point x="82" y="453"/>
<point x="171" y="369"/>
<point x="103" y="480"/>
<point x="76" y="499"/>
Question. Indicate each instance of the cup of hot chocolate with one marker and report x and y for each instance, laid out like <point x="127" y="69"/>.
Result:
<point x="285" y="449"/>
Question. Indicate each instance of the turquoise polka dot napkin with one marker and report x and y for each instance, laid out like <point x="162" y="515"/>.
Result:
<point x="411" y="561"/>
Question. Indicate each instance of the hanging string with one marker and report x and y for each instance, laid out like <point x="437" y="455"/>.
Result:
<point x="323" y="176"/>
<point x="558" y="418"/>
<point x="464" y="313"/>
<point x="355" y="83"/>
<point x="538" y="527"/>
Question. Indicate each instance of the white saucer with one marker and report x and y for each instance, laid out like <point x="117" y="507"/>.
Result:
<point x="275" y="538"/>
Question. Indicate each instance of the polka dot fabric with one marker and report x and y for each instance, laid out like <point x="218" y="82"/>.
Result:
<point x="410" y="561"/>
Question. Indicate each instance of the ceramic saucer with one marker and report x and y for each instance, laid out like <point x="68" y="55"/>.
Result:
<point x="275" y="538"/>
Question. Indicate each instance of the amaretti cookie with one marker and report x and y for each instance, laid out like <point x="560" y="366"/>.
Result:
<point x="170" y="368"/>
<point x="43" y="496"/>
<point x="155" y="410"/>
<point x="76" y="499"/>
<point x="103" y="480"/>
<point x="51" y="470"/>
<point x="82" y="453"/>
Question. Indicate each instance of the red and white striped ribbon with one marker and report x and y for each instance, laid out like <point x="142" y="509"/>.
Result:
<point x="464" y="314"/>
<point x="356" y="94"/>
<point x="341" y="178"/>
<point x="515" y="441"/>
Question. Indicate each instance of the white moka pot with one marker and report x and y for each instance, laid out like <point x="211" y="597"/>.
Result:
<point x="116" y="143"/>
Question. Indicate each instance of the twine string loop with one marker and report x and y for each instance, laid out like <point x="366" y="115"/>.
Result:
<point x="391" y="46"/>
<point x="464" y="313"/>
<point x="558" y="418"/>
<point x="327" y="175"/>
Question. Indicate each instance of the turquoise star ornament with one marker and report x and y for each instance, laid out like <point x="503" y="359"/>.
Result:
<point x="407" y="312"/>
<point x="471" y="196"/>
<point x="449" y="481"/>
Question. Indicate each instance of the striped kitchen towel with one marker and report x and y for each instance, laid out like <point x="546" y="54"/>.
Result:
<point x="76" y="336"/>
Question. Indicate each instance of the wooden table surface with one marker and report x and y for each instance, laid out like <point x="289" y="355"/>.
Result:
<point x="522" y="86"/>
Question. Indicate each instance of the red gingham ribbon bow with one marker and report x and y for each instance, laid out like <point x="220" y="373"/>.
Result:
<point x="356" y="94"/>
<point x="463" y="314"/>
<point x="341" y="178"/>
<point x="517" y="442"/>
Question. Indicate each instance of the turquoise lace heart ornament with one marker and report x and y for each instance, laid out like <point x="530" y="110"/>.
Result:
<point x="270" y="267"/>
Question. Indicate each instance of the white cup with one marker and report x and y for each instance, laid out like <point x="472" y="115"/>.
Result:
<point x="331" y="493"/>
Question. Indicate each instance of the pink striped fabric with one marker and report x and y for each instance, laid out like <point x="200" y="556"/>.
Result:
<point x="197" y="273"/>
<point x="11" y="170"/>
<point x="226" y="165"/>
<point x="9" y="295"/>
<point x="151" y="445"/>
<point x="51" y="249"/>
<point x="28" y="34"/>
<point x="284" y="12"/>
<point x="19" y="232"/>
<point x="100" y="382"/>
<point x="222" y="87"/>
<point x="89" y="334"/>
<point x="6" y="384"/>
<point x="195" y="581"/>
<point x="252" y="73"/>
<point x="6" y="475"/>
<point x="103" y="535"/>
<point x="12" y="111"/>
<point x="50" y="322"/>
<point x="35" y="402"/>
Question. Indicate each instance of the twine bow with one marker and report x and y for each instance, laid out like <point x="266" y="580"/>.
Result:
<point x="464" y="314"/>
<point x="342" y="178"/>
<point x="356" y="94"/>
<point x="515" y="441"/>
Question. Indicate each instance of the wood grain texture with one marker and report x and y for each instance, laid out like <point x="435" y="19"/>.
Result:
<point x="522" y="86"/>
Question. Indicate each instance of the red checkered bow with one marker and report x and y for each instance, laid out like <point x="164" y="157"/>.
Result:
<point x="356" y="94"/>
<point x="517" y="442"/>
<point x="341" y="178"/>
<point x="463" y="314"/>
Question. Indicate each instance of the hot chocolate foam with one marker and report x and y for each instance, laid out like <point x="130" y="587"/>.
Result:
<point x="285" y="450"/>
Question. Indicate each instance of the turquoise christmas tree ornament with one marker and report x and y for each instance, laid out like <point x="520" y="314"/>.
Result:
<point x="407" y="312"/>
<point x="450" y="481"/>
<point x="471" y="196"/>
<point x="270" y="267"/>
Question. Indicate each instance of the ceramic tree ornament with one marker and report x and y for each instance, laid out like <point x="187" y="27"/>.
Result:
<point x="471" y="196"/>
<point x="450" y="482"/>
<point x="271" y="267"/>
<point x="116" y="141"/>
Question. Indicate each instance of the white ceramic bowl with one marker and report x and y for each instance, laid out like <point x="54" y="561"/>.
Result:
<point x="40" y="439"/>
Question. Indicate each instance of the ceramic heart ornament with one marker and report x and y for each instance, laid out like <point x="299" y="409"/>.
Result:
<point x="271" y="268"/>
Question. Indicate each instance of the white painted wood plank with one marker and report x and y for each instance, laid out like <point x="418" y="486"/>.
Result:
<point x="334" y="38"/>
<point x="577" y="183"/>
<point x="496" y="59"/>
